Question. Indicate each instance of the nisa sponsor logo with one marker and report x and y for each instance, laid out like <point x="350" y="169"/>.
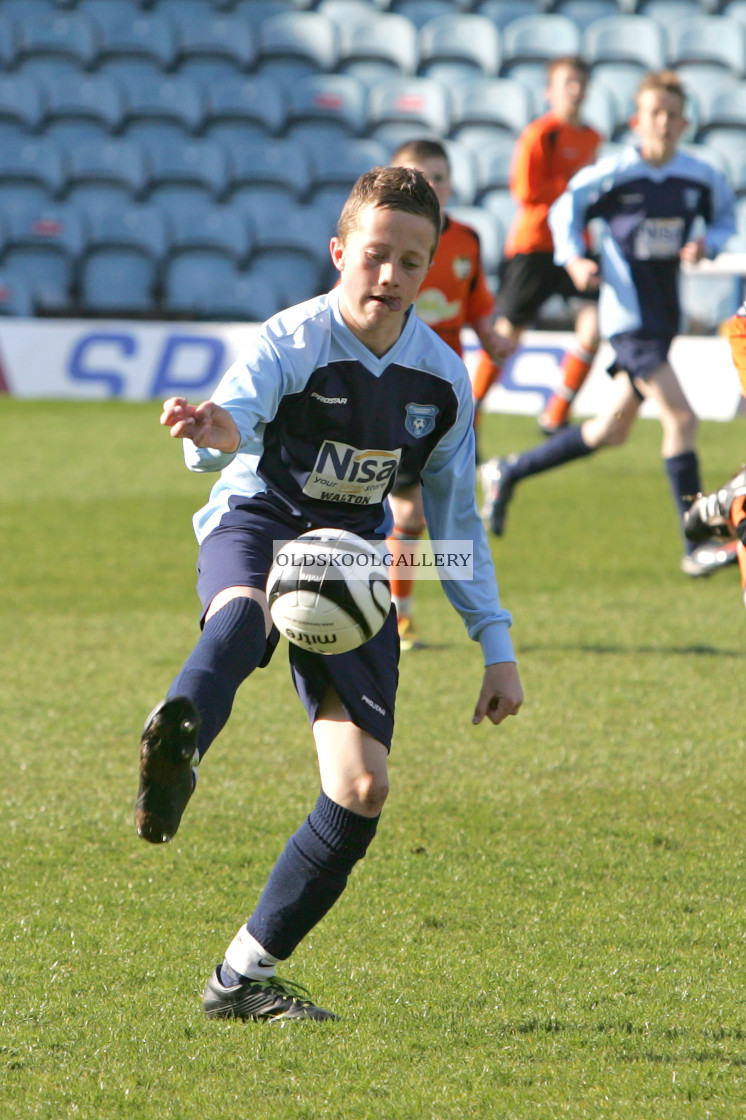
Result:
<point x="348" y="464"/>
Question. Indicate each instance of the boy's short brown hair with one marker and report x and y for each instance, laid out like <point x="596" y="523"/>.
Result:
<point x="665" y="81"/>
<point x="418" y="150"/>
<point x="391" y="188"/>
<point x="572" y="62"/>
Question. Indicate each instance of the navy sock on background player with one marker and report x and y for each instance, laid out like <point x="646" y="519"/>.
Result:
<point x="231" y="646"/>
<point x="685" y="481"/>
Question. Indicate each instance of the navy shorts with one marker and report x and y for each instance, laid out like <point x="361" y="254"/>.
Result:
<point x="239" y="553"/>
<point x="528" y="280"/>
<point x="638" y="354"/>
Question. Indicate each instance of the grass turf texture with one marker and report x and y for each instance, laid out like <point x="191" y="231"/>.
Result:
<point x="550" y="922"/>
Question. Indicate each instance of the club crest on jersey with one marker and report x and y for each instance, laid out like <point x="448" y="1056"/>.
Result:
<point x="461" y="267"/>
<point x="420" y="419"/>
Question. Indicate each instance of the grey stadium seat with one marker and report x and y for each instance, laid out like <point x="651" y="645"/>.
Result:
<point x="539" y="38"/>
<point x="626" y="38"/>
<point x="471" y="42"/>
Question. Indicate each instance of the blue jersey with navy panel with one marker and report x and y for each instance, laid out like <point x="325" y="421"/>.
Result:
<point x="646" y="214"/>
<point x="324" y="425"/>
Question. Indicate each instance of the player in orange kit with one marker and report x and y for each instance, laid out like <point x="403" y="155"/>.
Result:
<point x="453" y="295"/>
<point x="548" y="153"/>
<point x="722" y="513"/>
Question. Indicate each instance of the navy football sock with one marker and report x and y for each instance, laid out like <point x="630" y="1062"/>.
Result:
<point x="684" y="479"/>
<point x="566" y="445"/>
<point x="230" y="647"/>
<point x="310" y="875"/>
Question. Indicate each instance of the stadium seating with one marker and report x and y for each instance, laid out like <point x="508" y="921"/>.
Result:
<point x="460" y="46"/>
<point x="44" y="246"/>
<point x="539" y="38"/>
<point x="713" y="40"/>
<point x="16" y="294"/>
<point x="279" y="165"/>
<point x="22" y="101"/>
<point x="102" y="175"/>
<point x="70" y="35"/>
<point x="276" y="105"/>
<point x="379" y="50"/>
<point x="626" y="38"/>
<point x="490" y="235"/>
<point x="84" y="98"/>
<point x="297" y="43"/>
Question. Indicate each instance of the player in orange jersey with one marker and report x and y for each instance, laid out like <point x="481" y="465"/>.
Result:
<point x="722" y="513"/>
<point x="454" y="294"/>
<point x="548" y="153"/>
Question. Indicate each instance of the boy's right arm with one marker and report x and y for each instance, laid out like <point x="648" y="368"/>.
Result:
<point x="206" y="425"/>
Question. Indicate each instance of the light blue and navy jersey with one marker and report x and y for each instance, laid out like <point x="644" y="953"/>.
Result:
<point x="325" y="425"/>
<point x="646" y="215"/>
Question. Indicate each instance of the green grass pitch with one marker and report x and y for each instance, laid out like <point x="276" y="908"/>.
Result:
<point x="551" y="920"/>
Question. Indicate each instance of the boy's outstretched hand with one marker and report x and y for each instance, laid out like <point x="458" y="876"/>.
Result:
<point x="206" y="424"/>
<point x="501" y="694"/>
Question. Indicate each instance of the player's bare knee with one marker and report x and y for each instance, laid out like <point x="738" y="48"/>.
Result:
<point x="371" y="791"/>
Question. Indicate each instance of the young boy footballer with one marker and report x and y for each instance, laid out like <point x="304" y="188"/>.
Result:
<point x="349" y="382"/>
<point x="647" y="199"/>
<point x="549" y="151"/>
<point x="454" y="294"/>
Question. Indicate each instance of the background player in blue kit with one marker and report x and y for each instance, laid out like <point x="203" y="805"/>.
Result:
<point x="345" y="371"/>
<point x="647" y="199"/>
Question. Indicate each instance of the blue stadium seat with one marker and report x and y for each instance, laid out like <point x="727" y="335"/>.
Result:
<point x="145" y="228"/>
<point x="22" y="101"/>
<point x="503" y="12"/>
<point x="254" y="11"/>
<point x="501" y="205"/>
<point x="35" y="162"/>
<point x="730" y="145"/>
<point x="420" y="12"/>
<point x="226" y="230"/>
<point x="703" y="83"/>
<point x="8" y="42"/>
<point x="600" y="110"/>
<point x="173" y="98"/>
<point x="493" y="104"/>
<point x="712" y="40"/>
<point x="127" y="35"/>
<point x="585" y="12"/>
<point x="337" y="102"/>
<point x="79" y="98"/>
<point x="222" y="292"/>
<point x="469" y="42"/>
<point x="621" y="79"/>
<point x="736" y="9"/>
<point x="206" y="36"/>
<point x="628" y="39"/>
<point x="242" y="101"/>
<point x="493" y="164"/>
<point x="725" y="111"/>
<point x="539" y="38"/>
<point x="346" y="13"/>
<point x="294" y="276"/>
<point x="193" y="169"/>
<point x="16" y="294"/>
<point x="278" y="164"/>
<point x="463" y="173"/>
<point x="669" y="12"/>
<point x="297" y="43"/>
<point x="44" y="246"/>
<point x="67" y="35"/>
<point x="491" y="238"/>
<point x="104" y="173"/>
<point x="413" y="102"/>
<point x="117" y="281"/>
<point x="339" y="166"/>
<point x="379" y="50"/>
